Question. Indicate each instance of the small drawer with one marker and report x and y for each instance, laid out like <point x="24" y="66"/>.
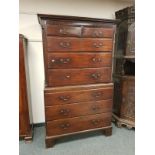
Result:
<point x="97" y="44"/>
<point x="66" y="77"/>
<point x="55" y="44"/>
<point x="77" y="109"/>
<point x="97" y="32"/>
<point x="58" y="30"/>
<point x="71" y="125"/>
<point x="69" y="95"/>
<point x="79" y="60"/>
<point x="59" y="44"/>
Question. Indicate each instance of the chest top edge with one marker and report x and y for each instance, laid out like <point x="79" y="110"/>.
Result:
<point x="45" y="19"/>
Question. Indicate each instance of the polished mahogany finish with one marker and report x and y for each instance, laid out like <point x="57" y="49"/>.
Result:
<point x="77" y="109"/>
<point x="98" y="32"/>
<point x="78" y="75"/>
<point x="70" y="31"/>
<point x="72" y="95"/>
<point x="25" y="126"/>
<point x="76" y="60"/>
<point x="64" y="77"/>
<point x="58" y="30"/>
<point x="78" y="44"/>
<point x="75" y="124"/>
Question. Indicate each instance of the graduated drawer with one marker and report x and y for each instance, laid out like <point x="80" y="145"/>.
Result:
<point x="77" y="109"/>
<point x="71" y="125"/>
<point x="56" y="44"/>
<point x="66" y="77"/>
<point x="97" y="32"/>
<point x="79" y="60"/>
<point x="60" y="96"/>
<point x="58" y="30"/>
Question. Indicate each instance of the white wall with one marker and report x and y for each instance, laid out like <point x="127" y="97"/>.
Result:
<point x="30" y="27"/>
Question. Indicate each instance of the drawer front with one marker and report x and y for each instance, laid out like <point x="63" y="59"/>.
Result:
<point x="55" y="44"/>
<point x="66" y="77"/>
<point x="77" y="109"/>
<point x="79" y="60"/>
<point x="76" y="124"/>
<point x="94" y="44"/>
<point x="58" y="30"/>
<point x="97" y="32"/>
<point x="63" y="44"/>
<point x="66" y="97"/>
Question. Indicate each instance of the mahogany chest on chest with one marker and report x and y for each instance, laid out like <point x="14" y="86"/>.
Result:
<point x="78" y="75"/>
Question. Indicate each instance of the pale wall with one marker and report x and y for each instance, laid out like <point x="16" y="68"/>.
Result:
<point x="30" y="27"/>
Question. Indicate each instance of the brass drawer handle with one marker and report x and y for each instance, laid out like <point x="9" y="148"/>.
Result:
<point x="65" y="60"/>
<point x="95" y="76"/>
<point x="63" y="31"/>
<point x="95" y="108"/>
<point x="95" y="122"/>
<point x="65" y="44"/>
<point x="65" y="126"/>
<point x="97" y="94"/>
<point x="64" y="112"/>
<point x="96" y="59"/>
<point x="98" y="34"/>
<point x="67" y="76"/>
<point x="53" y="60"/>
<point x="64" y="98"/>
<point x="61" y="60"/>
<point x="97" y="45"/>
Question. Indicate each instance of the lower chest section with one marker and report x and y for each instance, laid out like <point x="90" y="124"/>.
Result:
<point x="77" y="108"/>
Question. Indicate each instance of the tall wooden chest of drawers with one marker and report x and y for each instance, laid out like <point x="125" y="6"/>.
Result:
<point x="78" y="75"/>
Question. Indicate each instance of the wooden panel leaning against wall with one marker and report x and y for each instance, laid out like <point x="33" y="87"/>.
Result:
<point x="25" y="120"/>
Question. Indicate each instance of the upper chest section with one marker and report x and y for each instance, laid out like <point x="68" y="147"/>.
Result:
<point x="67" y="26"/>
